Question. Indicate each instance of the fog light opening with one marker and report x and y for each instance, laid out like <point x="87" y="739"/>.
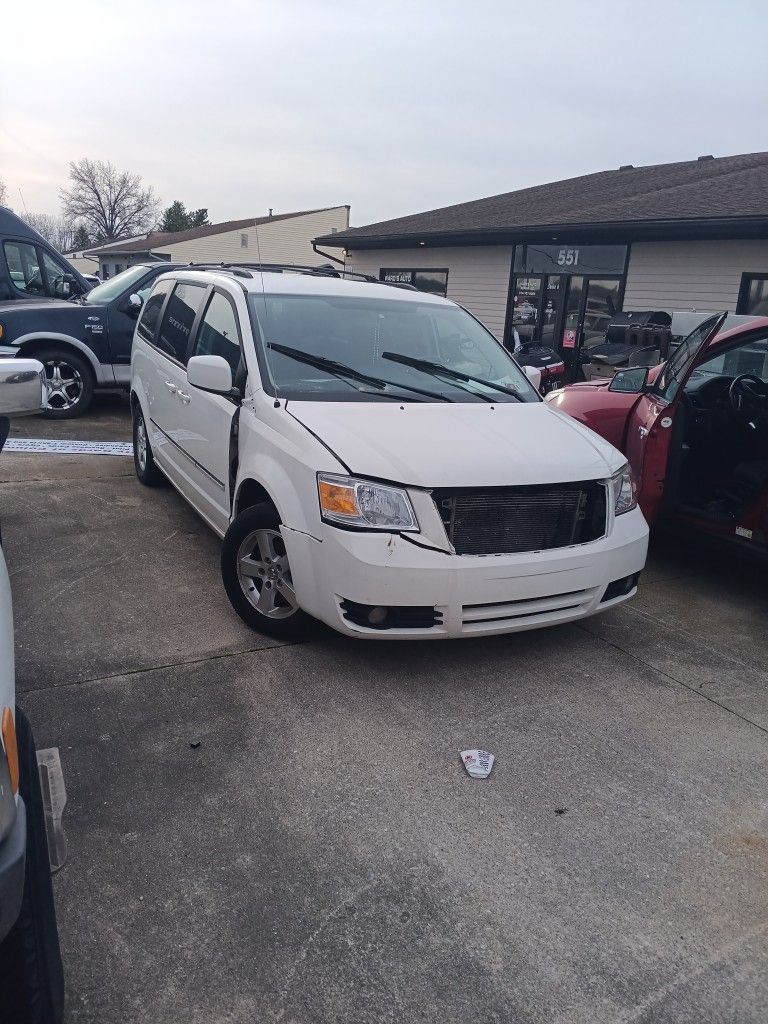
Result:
<point x="622" y="587"/>
<point x="377" y="616"/>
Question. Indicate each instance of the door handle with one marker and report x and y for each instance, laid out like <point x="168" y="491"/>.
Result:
<point x="171" y="386"/>
<point x="183" y="396"/>
<point x="643" y="431"/>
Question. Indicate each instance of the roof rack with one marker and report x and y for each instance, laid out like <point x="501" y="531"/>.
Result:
<point x="324" y="270"/>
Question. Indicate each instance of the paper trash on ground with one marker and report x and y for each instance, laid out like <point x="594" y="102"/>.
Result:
<point x="478" y="763"/>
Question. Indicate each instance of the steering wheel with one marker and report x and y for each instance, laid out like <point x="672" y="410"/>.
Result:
<point x="748" y="395"/>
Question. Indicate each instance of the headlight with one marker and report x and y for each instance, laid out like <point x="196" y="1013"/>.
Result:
<point x="349" y="501"/>
<point x="624" y="490"/>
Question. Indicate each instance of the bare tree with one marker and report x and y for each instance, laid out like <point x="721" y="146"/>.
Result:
<point x="109" y="203"/>
<point x="56" y="230"/>
<point x="3" y="193"/>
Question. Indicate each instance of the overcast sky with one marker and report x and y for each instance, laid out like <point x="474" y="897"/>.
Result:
<point x="393" y="107"/>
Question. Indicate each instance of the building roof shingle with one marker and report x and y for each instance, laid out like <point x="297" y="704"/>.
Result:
<point x="159" y="239"/>
<point x="706" y="189"/>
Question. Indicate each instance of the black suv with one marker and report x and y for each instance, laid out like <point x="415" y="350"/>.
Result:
<point x="84" y="342"/>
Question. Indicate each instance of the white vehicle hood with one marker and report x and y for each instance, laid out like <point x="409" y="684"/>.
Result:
<point x="460" y="444"/>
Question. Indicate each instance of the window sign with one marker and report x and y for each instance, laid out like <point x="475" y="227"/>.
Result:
<point x="433" y="281"/>
<point x="570" y="259"/>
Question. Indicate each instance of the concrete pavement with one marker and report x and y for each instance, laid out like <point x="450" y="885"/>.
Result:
<point x="269" y="832"/>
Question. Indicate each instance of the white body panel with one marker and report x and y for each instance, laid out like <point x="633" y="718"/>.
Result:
<point x="283" y="445"/>
<point x="7" y="677"/>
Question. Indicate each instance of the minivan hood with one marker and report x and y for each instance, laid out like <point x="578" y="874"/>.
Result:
<point x="459" y="444"/>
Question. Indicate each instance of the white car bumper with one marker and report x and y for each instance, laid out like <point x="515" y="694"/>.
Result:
<point x="468" y="595"/>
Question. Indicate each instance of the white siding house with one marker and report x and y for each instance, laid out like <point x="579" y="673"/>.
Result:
<point x="278" y="238"/>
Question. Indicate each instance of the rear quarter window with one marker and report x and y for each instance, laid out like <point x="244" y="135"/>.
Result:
<point x="150" y="315"/>
<point x="178" y="320"/>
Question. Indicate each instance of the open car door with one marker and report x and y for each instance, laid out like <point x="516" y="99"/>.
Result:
<point x="650" y="429"/>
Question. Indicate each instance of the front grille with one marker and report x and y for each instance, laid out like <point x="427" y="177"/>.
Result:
<point x="505" y="520"/>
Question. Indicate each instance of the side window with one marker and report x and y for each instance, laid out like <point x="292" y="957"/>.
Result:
<point x="24" y="268"/>
<point x="180" y="314"/>
<point x="150" y="315"/>
<point x="748" y="357"/>
<point x="55" y="273"/>
<point x="218" y="334"/>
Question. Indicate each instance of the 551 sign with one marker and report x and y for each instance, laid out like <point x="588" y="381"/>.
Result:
<point x="568" y="258"/>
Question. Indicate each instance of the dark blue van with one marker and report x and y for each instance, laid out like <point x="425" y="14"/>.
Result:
<point x="30" y="268"/>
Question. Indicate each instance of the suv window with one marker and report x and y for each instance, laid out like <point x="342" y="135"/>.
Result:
<point x="180" y="313"/>
<point x="24" y="268"/>
<point x="150" y="315"/>
<point x="218" y="334"/>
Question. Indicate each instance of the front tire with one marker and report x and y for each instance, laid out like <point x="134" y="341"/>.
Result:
<point x="31" y="975"/>
<point x="144" y="463"/>
<point x="257" y="574"/>
<point x="70" y="381"/>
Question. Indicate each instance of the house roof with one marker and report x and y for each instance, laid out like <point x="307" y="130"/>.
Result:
<point x="658" y="200"/>
<point x="160" y="239"/>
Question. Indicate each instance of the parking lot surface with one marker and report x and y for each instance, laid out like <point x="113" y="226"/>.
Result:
<point x="267" y="832"/>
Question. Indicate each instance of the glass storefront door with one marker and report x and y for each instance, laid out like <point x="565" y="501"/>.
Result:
<point x="590" y="307"/>
<point x="565" y="296"/>
<point x="525" y="307"/>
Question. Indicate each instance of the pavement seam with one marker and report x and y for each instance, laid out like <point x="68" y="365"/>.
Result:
<point x="159" y="668"/>
<point x="674" y="679"/>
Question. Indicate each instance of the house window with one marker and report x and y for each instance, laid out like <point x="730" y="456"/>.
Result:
<point x="118" y="268"/>
<point x="433" y="281"/>
<point x="243" y="241"/>
<point x="753" y="296"/>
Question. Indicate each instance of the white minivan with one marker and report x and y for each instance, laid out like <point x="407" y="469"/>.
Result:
<point x="375" y="459"/>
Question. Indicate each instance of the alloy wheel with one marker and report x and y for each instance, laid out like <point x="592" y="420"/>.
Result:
<point x="265" y="575"/>
<point x="64" y="383"/>
<point x="141" y="444"/>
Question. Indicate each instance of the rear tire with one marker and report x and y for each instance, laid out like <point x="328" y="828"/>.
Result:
<point x="144" y="463"/>
<point x="31" y="975"/>
<point x="70" y="380"/>
<point x="257" y="576"/>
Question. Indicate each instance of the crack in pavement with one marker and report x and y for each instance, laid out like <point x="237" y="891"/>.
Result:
<point x="674" y="679"/>
<point x="168" y="664"/>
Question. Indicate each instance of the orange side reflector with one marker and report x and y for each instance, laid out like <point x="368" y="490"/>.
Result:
<point x="337" y="498"/>
<point x="11" y="748"/>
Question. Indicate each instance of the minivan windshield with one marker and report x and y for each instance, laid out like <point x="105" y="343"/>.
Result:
<point x="109" y="290"/>
<point x="333" y="348"/>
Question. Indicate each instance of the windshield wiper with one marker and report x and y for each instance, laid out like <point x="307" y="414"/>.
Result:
<point x="342" y="370"/>
<point x="437" y="368"/>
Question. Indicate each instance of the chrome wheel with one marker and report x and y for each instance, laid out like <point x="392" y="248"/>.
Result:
<point x="65" y="384"/>
<point x="265" y="575"/>
<point x="141" y="444"/>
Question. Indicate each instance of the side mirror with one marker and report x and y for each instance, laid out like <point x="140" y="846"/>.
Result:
<point x="211" y="373"/>
<point x="632" y="381"/>
<point x="133" y="305"/>
<point x="23" y="390"/>
<point x="533" y="374"/>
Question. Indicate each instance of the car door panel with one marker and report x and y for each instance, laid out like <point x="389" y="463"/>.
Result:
<point x="205" y="420"/>
<point x="653" y="423"/>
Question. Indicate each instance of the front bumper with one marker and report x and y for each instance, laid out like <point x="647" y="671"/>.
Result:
<point x="12" y="857"/>
<point x="475" y="595"/>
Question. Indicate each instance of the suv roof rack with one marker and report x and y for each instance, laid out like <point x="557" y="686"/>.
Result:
<point x="324" y="270"/>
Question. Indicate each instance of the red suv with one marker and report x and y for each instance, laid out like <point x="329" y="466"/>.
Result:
<point x="695" y="430"/>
